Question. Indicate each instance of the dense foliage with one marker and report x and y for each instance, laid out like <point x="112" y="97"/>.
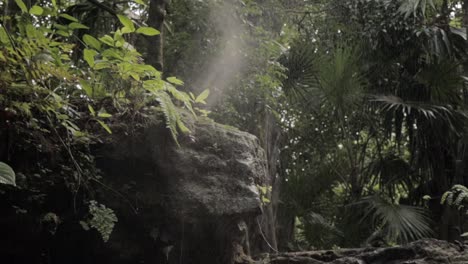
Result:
<point x="364" y="99"/>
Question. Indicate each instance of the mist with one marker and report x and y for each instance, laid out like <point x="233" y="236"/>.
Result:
<point x="227" y="64"/>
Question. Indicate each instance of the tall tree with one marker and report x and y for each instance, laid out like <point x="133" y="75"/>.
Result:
<point x="156" y="17"/>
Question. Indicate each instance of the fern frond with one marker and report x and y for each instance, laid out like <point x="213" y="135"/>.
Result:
<point x="180" y="96"/>
<point x="461" y="197"/>
<point x="460" y="187"/>
<point x="444" y="197"/>
<point x="450" y="198"/>
<point x="171" y="115"/>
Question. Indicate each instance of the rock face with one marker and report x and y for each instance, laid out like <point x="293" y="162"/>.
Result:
<point x="214" y="172"/>
<point x="211" y="190"/>
<point x="198" y="202"/>
<point x="429" y="251"/>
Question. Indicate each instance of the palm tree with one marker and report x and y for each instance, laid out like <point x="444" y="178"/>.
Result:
<point x="403" y="97"/>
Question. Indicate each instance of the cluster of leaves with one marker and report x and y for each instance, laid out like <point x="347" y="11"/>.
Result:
<point x="43" y="89"/>
<point x="103" y="219"/>
<point x="62" y="89"/>
<point x="457" y="196"/>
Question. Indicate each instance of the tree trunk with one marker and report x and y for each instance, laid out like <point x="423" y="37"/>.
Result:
<point x="156" y="15"/>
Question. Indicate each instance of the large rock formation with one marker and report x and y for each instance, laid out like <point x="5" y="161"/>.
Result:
<point x="199" y="201"/>
<point x="194" y="203"/>
<point x="429" y="251"/>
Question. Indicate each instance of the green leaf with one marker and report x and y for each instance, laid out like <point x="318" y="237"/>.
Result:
<point x="182" y="127"/>
<point x="102" y="64"/>
<point x="91" y="110"/>
<point x="106" y="39"/>
<point x="92" y="41"/>
<point x="106" y="127"/>
<point x="140" y="2"/>
<point x="135" y="76"/>
<point x="36" y="10"/>
<point x="7" y="175"/>
<point x="201" y="98"/>
<point x="22" y="6"/>
<point x="88" y="55"/>
<point x="4" y="36"/>
<point x="85" y="226"/>
<point x="126" y="30"/>
<point x="86" y="87"/>
<point x="67" y="16"/>
<point x="76" y="25"/>
<point x="175" y="81"/>
<point x="104" y="115"/>
<point x="153" y="85"/>
<point x="126" y="22"/>
<point x="170" y="114"/>
<point x="148" y="31"/>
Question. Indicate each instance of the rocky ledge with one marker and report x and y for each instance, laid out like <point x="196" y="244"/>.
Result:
<point x="429" y="251"/>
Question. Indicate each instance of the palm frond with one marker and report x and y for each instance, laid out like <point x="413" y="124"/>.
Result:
<point x="340" y="79"/>
<point x="415" y="7"/>
<point x="318" y="220"/>
<point x="302" y="68"/>
<point x="442" y="80"/>
<point x="400" y="223"/>
<point x="332" y="78"/>
<point x="444" y="114"/>
<point x="391" y="173"/>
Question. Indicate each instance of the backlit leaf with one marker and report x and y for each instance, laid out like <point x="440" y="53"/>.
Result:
<point x="106" y="127"/>
<point x="91" y="110"/>
<point x="148" y="31"/>
<point x="126" y="22"/>
<point x="107" y="40"/>
<point x="175" y="81"/>
<point x="202" y="97"/>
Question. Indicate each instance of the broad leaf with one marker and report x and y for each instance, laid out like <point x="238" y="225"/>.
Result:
<point x="86" y="87"/>
<point x="67" y="16"/>
<point x="22" y="6"/>
<point x="175" y="81"/>
<point x="4" y="36"/>
<point x="88" y="55"/>
<point x="92" y="41"/>
<point x="126" y="22"/>
<point x="36" y="10"/>
<point x="148" y="31"/>
<point x="75" y="25"/>
<point x="202" y="97"/>
<point x="106" y="39"/>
